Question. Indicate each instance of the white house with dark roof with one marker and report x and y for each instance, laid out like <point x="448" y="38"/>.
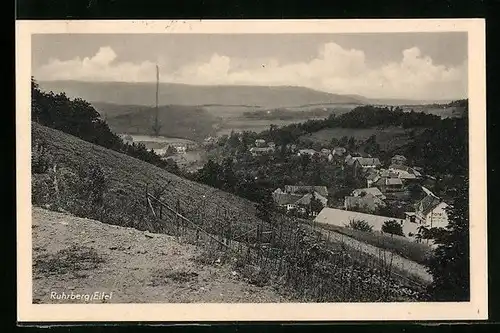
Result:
<point x="361" y="165"/>
<point x="297" y="200"/>
<point x="429" y="212"/>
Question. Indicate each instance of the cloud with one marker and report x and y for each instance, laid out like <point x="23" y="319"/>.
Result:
<point x="334" y="69"/>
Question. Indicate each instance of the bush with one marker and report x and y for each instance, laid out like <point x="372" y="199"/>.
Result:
<point x="393" y="227"/>
<point x="41" y="189"/>
<point x="361" y="225"/>
<point x="41" y="159"/>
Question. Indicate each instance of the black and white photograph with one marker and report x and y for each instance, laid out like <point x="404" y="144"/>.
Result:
<point x="254" y="166"/>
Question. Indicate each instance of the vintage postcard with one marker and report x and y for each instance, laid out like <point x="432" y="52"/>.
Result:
<point x="282" y="170"/>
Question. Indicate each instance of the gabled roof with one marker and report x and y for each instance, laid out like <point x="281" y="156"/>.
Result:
<point x="351" y="159"/>
<point x="388" y="181"/>
<point x="369" y="201"/>
<point x="306" y="199"/>
<point x="285" y="198"/>
<point x="399" y="157"/>
<point x="322" y="190"/>
<point x="369" y="190"/>
<point x="427" y="204"/>
<point x="261" y="149"/>
<point x="369" y="161"/>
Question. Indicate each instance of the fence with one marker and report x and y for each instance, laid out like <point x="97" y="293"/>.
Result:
<point x="294" y="256"/>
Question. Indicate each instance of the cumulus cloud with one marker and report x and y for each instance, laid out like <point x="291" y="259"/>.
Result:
<point x="335" y="69"/>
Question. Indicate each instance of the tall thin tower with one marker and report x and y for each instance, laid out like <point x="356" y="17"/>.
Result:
<point x="156" y="125"/>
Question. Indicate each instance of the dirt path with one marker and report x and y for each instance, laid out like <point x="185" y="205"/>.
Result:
<point x="410" y="268"/>
<point x="83" y="256"/>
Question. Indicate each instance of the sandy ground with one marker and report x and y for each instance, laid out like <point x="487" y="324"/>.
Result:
<point x="128" y="265"/>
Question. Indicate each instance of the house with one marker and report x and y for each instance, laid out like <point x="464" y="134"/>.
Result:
<point x="371" y="178"/>
<point x="261" y="151"/>
<point x="370" y="190"/>
<point x="298" y="201"/>
<point x="287" y="200"/>
<point x="388" y="184"/>
<point x="309" y="152"/>
<point x="350" y="159"/>
<point x="398" y="160"/>
<point x="271" y="144"/>
<point x="260" y="143"/>
<point x="368" y="203"/>
<point x="429" y="212"/>
<point x="180" y="148"/>
<point x="325" y="152"/>
<point x="362" y="164"/>
<point x="339" y="151"/>
<point x="306" y="199"/>
<point x="404" y="172"/>
<point x="302" y="189"/>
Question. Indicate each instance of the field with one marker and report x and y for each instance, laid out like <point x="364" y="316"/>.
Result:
<point x="388" y="138"/>
<point x="281" y="253"/>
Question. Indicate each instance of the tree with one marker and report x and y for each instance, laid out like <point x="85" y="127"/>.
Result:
<point x="343" y="141"/>
<point x="351" y="144"/>
<point x="316" y="205"/>
<point x="450" y="264"/>
<point x="393" y="227"/>
<point x="371" y="145"/>
<point x="170" y="151"/>
<point x="360" y="225"/>
<point x="265" y="207"/>
<point x="334" y="142"/>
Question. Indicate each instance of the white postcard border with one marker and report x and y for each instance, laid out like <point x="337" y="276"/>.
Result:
<point x="477" y="308"/>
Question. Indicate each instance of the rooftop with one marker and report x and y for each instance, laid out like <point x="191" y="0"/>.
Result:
<point x="369" y="190"/>
<point x="322" y="190"/>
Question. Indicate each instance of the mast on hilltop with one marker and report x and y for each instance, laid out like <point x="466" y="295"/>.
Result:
<point x="156" y="124"/>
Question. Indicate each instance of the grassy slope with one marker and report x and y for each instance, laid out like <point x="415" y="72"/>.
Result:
<point x="131" y="176"/>
<point x="198" y="202"/>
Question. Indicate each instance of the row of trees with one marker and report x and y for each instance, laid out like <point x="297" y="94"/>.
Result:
<point x="360" y="117"/>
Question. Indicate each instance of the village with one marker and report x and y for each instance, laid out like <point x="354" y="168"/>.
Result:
<point x="385" y="182"/>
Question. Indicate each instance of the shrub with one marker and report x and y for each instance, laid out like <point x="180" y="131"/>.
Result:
<point x="393" y="227"/>
<point x="41" y="159"/>
<point x="361" y="225"/>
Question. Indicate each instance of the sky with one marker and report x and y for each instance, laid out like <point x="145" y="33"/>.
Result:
<point x="429" y="66"/>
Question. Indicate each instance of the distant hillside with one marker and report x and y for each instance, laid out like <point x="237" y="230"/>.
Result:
<point x="181" y="94"/>
<point x="176" y="120"/>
